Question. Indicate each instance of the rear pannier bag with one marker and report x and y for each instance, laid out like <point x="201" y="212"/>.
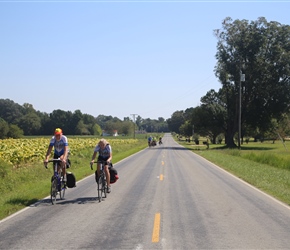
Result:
<point x="113" y="175"/>
<point x="70" y="180"/>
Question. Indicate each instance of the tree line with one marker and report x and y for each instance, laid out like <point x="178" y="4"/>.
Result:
<point x="18" y="120"/>
<point x="260" y="50"/>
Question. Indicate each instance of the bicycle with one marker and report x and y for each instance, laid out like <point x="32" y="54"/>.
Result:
<point x="57" y="183"/>
<point x="101" y="181"/>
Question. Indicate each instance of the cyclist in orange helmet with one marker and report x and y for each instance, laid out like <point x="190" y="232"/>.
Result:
<point x="60" y="144"/>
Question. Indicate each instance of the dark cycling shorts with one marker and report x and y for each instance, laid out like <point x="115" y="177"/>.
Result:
<point x="56" y="156"/>
<point x="101" y="158"/>
<point x="68" y="162"/>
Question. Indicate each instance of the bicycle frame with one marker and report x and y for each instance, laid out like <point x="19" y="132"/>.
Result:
<point x="102" y="183"/>
<point x="57" y="184"/>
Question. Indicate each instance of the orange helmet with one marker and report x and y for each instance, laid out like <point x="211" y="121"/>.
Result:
<point x="57" y="131"/>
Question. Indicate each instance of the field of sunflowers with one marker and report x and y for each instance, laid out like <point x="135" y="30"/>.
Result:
<point x="17" y="151"/>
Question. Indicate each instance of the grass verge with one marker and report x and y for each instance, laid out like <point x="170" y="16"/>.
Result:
<point x="263" y="165"/>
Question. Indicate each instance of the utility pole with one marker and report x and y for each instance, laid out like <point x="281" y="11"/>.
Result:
<point x="192" y="132"/>
<point x="242" y="79"/>
<point x="134" y="123"/>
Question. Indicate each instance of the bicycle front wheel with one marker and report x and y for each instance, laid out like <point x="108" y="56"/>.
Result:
<point x="53" y="190"/>
<point x="101" y="188"/>
<point x="105" y="188"/>
<point x="62" y="190"/>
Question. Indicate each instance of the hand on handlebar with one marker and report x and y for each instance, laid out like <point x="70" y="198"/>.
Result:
<point x="45" y="163"/>
<point x="91" y="164"/>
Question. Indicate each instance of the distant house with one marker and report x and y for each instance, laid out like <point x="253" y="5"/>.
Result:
<point x="115" y="133"/>
<point x="104" y="133"/>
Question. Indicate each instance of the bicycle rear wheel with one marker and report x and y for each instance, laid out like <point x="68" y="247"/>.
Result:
<point x="53" y="190"/>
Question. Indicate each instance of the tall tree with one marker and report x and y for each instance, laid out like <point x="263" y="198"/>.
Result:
<point x="260" y="50"/>
<point x="4" y="128"/>
<point x="176" y="120"/>
<point x="75" y="120"/>
<point x="30" y="123"/>
<point x="14" y="132"/>
<point x="95" y="129"/>
<point x="186" y="129"/>
<point x="139" y="121"/>
<point x="62" y="119"/>
<point x="45" y="123"/>
<point x="212" y="114"/>
<point x="127" y="128"/>
<point x="10" y="111"/>
<point x="81" y="129"/>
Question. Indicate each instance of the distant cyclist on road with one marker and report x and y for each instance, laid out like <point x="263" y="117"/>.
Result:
<point x="150" y="140"/>
<point x="103" y="148"/>
<point x="60" y="144"/>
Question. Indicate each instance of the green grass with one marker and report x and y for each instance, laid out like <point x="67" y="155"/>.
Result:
<point x="263" y="165"/>
<point x="24" y="185"/>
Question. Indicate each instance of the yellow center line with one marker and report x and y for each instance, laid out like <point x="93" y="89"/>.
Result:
<point x="161" y="177"/>
<point x="156" y="228"/>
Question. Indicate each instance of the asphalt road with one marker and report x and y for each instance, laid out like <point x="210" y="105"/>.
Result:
<point x="166" y="198"/>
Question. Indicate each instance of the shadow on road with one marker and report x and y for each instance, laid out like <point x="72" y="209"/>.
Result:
<point x="82" y="200"/>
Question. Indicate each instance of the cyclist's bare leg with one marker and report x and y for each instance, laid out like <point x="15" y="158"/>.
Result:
<point x="63" y="165"/>
<point x="107" y="172"/>
<point x="98" y="168"/>
<point x="64" y="173"/>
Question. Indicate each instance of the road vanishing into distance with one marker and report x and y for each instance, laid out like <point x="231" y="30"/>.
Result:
<point x="166" y="198"/>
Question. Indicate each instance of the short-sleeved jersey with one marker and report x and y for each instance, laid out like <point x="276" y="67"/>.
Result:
<point x="103" y="152"/>
<point x="59" y="145"/>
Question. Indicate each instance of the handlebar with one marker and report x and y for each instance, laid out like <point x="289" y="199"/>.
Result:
<point x="52" y="160"/>
<point x="102" y="162"/>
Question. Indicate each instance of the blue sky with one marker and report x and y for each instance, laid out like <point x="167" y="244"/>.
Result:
<point x="117" y="58"/>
